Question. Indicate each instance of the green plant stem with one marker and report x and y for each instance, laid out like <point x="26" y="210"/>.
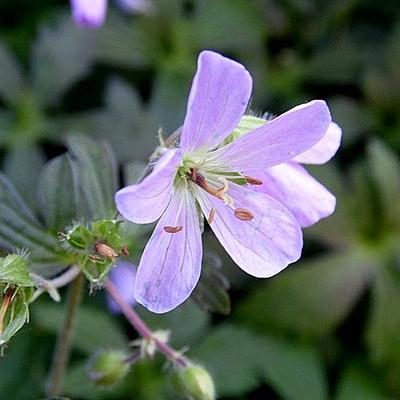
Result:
<point x="142" y="328"/>
<point x="62" y="350"/>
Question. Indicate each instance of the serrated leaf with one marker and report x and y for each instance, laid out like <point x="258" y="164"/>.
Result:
<point x="56" y="200"/>
<point x="13" y="270"/>
<point x="239" y="360"/>
<point x="94" y="172"/>
<point x="62" y="55"/>
<point x="95" y="330"/>
<point x="19" y="228"/>
<point x="310" y="299"/>
<point x="11" y="81"/>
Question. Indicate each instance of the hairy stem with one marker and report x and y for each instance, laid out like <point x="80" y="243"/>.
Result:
<point x="62" y="350"/>
<point x="141" y="327"/>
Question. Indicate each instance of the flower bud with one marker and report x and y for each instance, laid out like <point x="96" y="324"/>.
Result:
<point x="16" y="289"/>
<point x="195" y="382"/>
<point x="108" y="368"/>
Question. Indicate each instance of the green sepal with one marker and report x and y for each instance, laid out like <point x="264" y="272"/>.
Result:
<point x="16" y="290"/>
<point x="83" y="241"/>
<point x="14" y="271"/>
<point x="246" y="124"/>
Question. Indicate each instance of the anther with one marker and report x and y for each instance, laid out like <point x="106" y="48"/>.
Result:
<point x="172" y="229"/>
<point x="105" y="250"/>
<point x="211" y="216"/>
<point x="243" y="214"/>
<point x="253" y="181"/>
<point x="125" y="250"/>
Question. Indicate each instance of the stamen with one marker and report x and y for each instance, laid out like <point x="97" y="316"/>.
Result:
<point x="243" y="214"/>
<point x="212" y="215"/>
<point x="105" y="250"/>
<point x="172" y="229"/>
<point x="253" y="181"/>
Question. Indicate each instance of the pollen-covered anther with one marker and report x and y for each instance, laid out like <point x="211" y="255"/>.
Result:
<point x="105" y="250"/>
<point x="211" y="216"/>
<point x="243" y="214"/>
<point x="172" y="229"/>
<point x="251" y="180"/>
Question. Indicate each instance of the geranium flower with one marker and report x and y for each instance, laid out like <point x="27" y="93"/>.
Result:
<point x="203" y="176"/>
<point x="92" y="13"/>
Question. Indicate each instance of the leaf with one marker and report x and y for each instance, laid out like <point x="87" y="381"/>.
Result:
<point x="95" y="176"/>
<point x="19" y="228"/>
<point x="358" y="383"/>
<point x="62" y="55"/>
<point x="385" y="168"/>
<point x="95" y="330"/>
<point x="214" y="19"/>
<point x="310" y="299"/>
<point x="13" y="270"/>
<point x="211" y="292"/>
<point x="239" y="360"/>
<point x="196" y="322"/>
<point x="22" y="166"/>
<point x="383" y="327"/>
<point x="121" y="43"/>
<point x="11" y="80"/>
<point x="22" y="370"/>
<point x="56" y="200"/>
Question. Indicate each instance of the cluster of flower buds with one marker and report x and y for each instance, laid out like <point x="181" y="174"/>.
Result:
<point x="16" y="290"/>
<point x="97" y="247"/>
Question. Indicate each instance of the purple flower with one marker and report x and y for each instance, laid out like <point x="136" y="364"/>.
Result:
<point x="123" y="277"/>
<point x="89" y="13"/>
<point x="205" y="177"/>
<point x="92" y="13"/>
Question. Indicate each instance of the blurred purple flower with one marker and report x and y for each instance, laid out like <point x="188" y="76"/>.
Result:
<point x="89" y="13"/>
<point x="123" y="276"/>
<point x="92" y="13"/>
<point x="261" y="235"/>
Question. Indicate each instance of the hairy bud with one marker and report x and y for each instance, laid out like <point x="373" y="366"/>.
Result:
<point x="108" y="368"/>
<point x="195" y="382"/>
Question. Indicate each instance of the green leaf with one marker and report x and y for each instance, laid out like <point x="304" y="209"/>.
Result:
<point x="358" y="383"/>
<point x="211" y="292"/>
<point x="22" y="165"/>
<point x="56" y="200"/>
<point x="384" y="325"/>
<point x="385" y="168"/>
<point x="196" y="322"/>
<point x="19" y="228"/>
<point x="61" y="56"/>
<point x="95" y="176"/>
<point x="11" y="81"/>
<point x="95" y="329"/>
<point x="310" y="299"/>
<point x="239" y="360"/>
<point x="214" y="19"/>
<point x="121" y="43"/>
<point x="13" y="270"/>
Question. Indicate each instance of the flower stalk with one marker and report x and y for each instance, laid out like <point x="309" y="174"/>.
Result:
<point x="64" y="341"/>
<point x="143" y="330"/>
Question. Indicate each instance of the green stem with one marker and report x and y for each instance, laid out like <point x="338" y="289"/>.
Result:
<point x="62" y="351"/>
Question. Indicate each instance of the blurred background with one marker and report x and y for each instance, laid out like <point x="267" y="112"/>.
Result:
<point x="327" y="327"/>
